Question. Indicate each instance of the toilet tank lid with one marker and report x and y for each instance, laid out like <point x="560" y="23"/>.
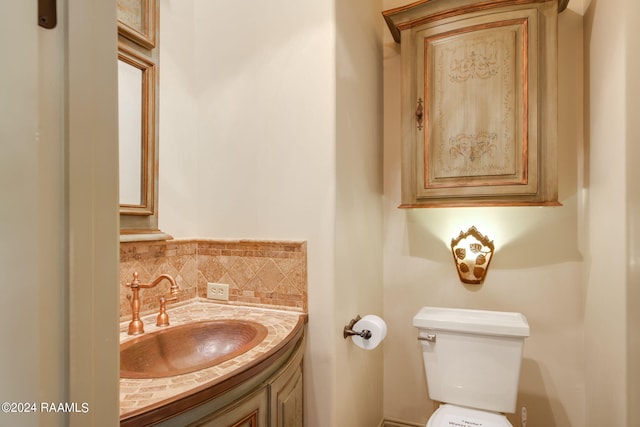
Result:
<point x="500" y="323"/>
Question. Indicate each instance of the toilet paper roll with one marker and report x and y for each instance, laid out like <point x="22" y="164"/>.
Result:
<point x="378" y="329"/>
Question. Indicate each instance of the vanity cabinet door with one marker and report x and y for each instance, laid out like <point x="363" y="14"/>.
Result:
<point x="286" y="395"/>
<point x="250" y="411"/>
<point x="287" y="401"/>
<point x="479" y="107"/>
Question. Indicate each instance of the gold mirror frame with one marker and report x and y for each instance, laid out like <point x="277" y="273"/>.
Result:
<point x="137" y="46"/>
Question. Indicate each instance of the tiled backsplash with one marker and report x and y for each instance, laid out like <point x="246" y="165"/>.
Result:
<point x="261" y="273"/>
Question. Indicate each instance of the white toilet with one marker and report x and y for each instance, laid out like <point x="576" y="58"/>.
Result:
<point x="472" y="361"/>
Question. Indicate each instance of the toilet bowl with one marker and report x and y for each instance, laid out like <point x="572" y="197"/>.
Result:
<point x="448" y="415"/>
<point x="472" y="364"/>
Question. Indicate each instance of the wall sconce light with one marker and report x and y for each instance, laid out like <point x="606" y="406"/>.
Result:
<point x="472" y="253"/>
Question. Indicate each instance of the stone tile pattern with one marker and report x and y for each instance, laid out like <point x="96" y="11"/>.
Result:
<point x="151" y="259"/>
<point x="259" y="273"/>
<point x="137" y="394"/>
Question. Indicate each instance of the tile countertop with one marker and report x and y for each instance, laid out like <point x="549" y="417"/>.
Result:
<point x="139" y="395"/>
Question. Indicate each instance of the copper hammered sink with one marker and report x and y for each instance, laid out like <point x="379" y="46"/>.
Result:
<point x="188" y="348"/>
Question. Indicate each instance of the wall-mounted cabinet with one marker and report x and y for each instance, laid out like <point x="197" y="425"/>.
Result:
<point x="479" y="101"/>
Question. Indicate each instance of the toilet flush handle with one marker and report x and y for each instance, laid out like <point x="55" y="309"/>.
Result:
<point x="428" y="337"/>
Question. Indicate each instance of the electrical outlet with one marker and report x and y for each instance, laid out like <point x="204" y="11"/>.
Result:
<point x="219" y="291"/>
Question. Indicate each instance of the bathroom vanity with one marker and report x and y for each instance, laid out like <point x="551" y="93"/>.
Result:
<point x="260" y="387"/>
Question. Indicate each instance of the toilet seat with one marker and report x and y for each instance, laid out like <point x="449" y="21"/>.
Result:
<point x="448" y="415"/>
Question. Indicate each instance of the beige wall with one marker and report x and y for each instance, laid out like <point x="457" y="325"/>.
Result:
<point x="254" y="138"/>
<point x="632" y="9"/>
<point x="358" y="231"/>
<point x="178" y="120"/>
<point x="611" y="321"/>
<point x="537" y="270"/>
<point x="261" y="150"/>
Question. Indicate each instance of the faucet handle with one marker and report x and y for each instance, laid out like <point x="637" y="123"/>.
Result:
<point x="163" y="317"/>
<point x="135" y="283"/>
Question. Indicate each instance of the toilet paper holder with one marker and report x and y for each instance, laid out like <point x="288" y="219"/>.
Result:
<point x="348" y="330"/>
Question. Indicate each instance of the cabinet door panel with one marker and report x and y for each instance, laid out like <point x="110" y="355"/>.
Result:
<point x="286" y="396"/>
<point x="475" y="85"/>
<point x="289" y="402"/>
<point x="248" y="412"/>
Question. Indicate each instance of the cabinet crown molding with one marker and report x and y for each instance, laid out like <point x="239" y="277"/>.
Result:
<point x="423" y="11"/>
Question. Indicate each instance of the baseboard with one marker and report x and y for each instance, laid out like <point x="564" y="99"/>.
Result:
<point x="389" y="422"/>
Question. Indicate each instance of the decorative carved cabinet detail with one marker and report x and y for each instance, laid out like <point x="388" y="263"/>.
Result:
<point x="479" y="101"/>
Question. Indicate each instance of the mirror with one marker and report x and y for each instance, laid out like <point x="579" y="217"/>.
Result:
<point x="138" y="120"/>
<point x="131" y="135"/>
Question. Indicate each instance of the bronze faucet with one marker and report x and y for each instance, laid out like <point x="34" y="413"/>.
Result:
<point x="136" y="326"/>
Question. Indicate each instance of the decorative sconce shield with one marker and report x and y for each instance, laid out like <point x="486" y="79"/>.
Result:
<point x="472" y="253"/>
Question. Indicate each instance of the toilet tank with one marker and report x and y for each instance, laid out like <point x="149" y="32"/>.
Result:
<point x="472" y="357"/>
